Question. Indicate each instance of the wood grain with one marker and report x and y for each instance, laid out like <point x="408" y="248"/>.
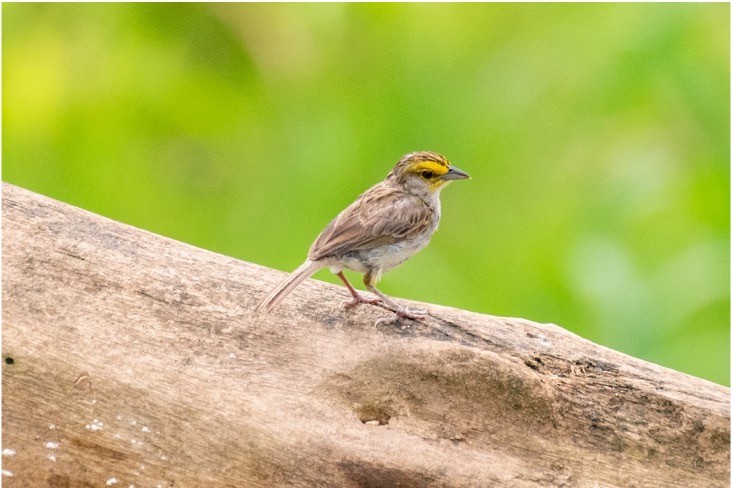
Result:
<point x="133" y="359"/>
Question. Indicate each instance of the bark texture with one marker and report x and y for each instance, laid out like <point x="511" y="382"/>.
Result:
<point x="133" y="359"/>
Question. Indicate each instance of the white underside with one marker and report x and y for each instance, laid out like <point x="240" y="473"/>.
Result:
<point x="381" y="258"/>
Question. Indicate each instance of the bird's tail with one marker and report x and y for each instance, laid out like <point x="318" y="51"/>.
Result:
<point x="284" y="289"/>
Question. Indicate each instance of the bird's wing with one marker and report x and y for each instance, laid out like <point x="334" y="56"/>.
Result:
<point x="380" y="216"/>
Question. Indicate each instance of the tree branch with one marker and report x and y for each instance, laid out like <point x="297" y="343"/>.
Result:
<point x="130" y="358"/>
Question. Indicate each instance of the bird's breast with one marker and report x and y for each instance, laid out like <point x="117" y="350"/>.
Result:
<point x="389" y="256"/>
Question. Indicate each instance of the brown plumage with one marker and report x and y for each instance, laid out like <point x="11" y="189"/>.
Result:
<point x="386" y="225"/>
<point x="380" y="216"/>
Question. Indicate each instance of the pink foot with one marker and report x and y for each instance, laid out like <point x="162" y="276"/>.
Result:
<point x="402" y="314"/>
<point x="360" y="299"/>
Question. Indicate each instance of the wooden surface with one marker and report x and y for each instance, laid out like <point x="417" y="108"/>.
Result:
<point x="132" y="359"/>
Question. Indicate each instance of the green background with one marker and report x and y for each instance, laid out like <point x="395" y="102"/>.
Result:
<point x="597" y="136"/>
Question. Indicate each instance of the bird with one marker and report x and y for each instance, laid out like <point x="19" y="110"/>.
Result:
<point x="383" y="227"/>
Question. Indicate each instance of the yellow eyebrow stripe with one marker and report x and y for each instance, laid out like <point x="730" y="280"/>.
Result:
<point x="435" y="167"/>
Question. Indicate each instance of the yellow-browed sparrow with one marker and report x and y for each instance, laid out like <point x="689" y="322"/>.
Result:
<point x="387" y="224"/>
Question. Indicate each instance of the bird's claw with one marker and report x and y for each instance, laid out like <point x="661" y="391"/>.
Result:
<point x="348" y="304"/>
<point x="406" y="313"/>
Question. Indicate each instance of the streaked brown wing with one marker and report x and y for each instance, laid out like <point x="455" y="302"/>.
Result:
<point x="381" y="216"/>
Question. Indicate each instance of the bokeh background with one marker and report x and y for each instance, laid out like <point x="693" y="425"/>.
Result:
<point x="597" y="136"/>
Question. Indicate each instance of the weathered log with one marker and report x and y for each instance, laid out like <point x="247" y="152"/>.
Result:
<point x="132" y="359"/>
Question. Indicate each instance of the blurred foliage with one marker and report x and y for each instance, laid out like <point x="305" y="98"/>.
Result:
<point x="597" y="136"/>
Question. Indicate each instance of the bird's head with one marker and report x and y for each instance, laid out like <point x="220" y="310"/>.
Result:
<point x="425" y="172"/>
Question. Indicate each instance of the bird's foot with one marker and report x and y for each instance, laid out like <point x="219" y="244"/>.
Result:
<point x="348" y="304"/>
<point x="404" y="313"/>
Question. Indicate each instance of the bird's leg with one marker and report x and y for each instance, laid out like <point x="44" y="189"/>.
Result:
<point x="370" y="280"/>
<point x="357" y="298"/>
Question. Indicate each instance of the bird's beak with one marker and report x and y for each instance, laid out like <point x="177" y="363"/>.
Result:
<point x="455" y="174"/>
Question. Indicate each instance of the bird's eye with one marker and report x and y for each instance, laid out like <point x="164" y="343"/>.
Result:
<point x="427" y="174"/>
